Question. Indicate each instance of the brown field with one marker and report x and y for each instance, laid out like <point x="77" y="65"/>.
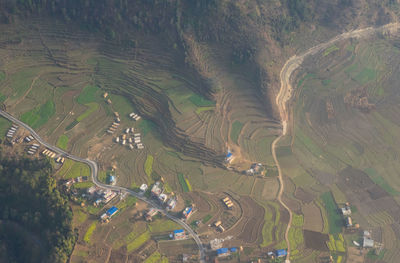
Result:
<point x="315" y="240"/>
<point x="312" y="218"/>
<point x="303" y="195"/>
<point x="248" y="228"/>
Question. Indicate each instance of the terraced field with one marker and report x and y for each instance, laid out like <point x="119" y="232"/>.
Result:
<point x="54" y="76"/>
<point x="344" y="145"/>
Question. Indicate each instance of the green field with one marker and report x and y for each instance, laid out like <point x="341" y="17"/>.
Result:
<point x="89" y="232"/>
<point x="146" y="126"/>
<point x="92" y="107"/>
<point x="4" y="126"/>
<point x="330" y="50"/>
<point x="72" y="169"/>
<point x="148" y="166"/>
<point x="183" y="182"/>
<point x="89" y="94"/>
<point x="139" y="241"/>
<point x="2" y="75"/>
<point x="235" y="131"/>
<point x="200" y="101"/>
<point x="62" y="142"/>
<point x="372" y="173"/>
<point x="39" y="115"/>
<point x="162" y="225"/>
<point x="334" y="218"/>
<point x="154" y="258"/>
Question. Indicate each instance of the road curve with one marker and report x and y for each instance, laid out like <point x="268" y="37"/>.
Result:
<point x="94" y="171"/>
<point x="286" y="91"/>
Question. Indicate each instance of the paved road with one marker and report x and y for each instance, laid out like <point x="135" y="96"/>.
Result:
<point x="286" y="91"/>
<point x="94" y="171"/>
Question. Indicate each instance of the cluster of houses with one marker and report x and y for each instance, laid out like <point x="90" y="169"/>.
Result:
<point x="135" y="116"/>
<point x="105" y="96"/>
<point x="115" y="124"/>
<point x="346" y="212"/>
<point x="72" y="181"/>
<point x="228" y="202"/>
<point x="100" y="196"/>
<point x="32" y="149"/>
<point x="255" y="168"/>
<point x="157" y="192"/>
<point x="125" y="139"/>
<point x="49" y="153"/>
<point x="106" y="217"/>
<point x="29" y="138"/>
<point x="11" y="132"/>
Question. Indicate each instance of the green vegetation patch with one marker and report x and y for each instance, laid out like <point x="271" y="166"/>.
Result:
<point x="373" y="174"/>
<point x="203" y="109"/>
<point x="146" y="126"/>
<point x="148" y="165"/>
<point x="39" y="115"/>
<point x="200" y="101"/>
<point x="92" y="107"/>
<point x="154" y="258"/>
<point x="4" y="126"/>
<point x="366" y="75"/>
<point x="235" y="131"/>
<point x="206" y="218"/>
<point x="83" y="185"/>
<point x="162" y="225"/>
<point x="89" y="94"/>
<point x="138" y="242"/>
<point x="330" y="50"/>
<point x="2" y="75"/>
<point x="127" y="202"/>
<point x="62" y="142"/>
<point x="71" y="125"/>
<point x="71" y="169"/>
<point x="334" y="219"/>
<point x="89" y="232"/>
<point x="184" y="183"/>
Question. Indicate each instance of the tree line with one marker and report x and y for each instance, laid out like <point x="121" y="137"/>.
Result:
<point x="35" y="218"/>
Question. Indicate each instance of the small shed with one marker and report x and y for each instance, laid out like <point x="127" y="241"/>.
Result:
<point x="221" y="252"/>
<point x="112" y="211"/>
<point x="280" y="253"/>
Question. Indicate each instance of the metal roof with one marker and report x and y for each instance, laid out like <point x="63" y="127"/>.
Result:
<point x="112" y="211"/>
<point x="222" y="250"/>
<point x="178" y="231"/>
<point x="367" y="242"/>
<point x="281" y="252"/>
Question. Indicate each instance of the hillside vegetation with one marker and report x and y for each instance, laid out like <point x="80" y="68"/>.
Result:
<point x="35" y="219"/>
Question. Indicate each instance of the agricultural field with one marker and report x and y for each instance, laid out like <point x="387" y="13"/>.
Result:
<point x="186" y="133"/>
<point x="343" y="146"/>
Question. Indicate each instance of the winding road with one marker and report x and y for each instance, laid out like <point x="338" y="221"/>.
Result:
<point x="284" y="95"/>
<point x="94" y="171"/>
<point x="286" y="91"/>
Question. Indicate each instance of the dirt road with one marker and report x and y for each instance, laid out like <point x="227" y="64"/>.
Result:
<point x="286" y="91"/>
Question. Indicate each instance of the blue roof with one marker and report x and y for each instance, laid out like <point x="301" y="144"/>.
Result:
<point x="112" y="211"/>
<point x="222" y="250"/>
<point x="229" y="155"/>
<point x="112" y="178"/>
<point x="281" y="252"/>
<point x="233" y="249"/>
<point x="178" y="231"/>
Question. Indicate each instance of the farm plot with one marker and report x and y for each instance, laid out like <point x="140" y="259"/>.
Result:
<point x="334" y="218"/>
<point x="316" y="240"/>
